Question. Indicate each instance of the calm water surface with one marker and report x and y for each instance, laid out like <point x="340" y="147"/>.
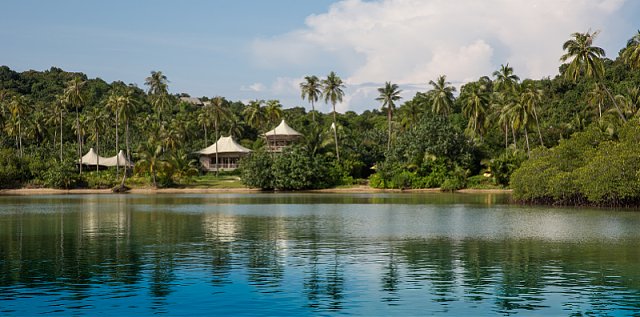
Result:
<point x="314" y="254"/>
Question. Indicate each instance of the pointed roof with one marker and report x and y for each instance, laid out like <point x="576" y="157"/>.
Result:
<point x="225" y="145"/>
<point x="91" y="158"/>
<point x="114" y="160"/>
<point x="282" y="129"/>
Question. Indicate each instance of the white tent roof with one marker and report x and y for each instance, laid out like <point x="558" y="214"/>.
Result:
<point x="282" y="129"/>
<point x="225" y="145"/>
<point x="114" y="160"/>
<point x="91" y="158"/>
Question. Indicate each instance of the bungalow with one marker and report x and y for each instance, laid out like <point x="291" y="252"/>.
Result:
<point x="280" y="137"/>
<point x="229" y="153"/>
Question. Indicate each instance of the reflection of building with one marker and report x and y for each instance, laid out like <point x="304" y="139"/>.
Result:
<point x="229" y="153"/>
<point x="280" y="137"/>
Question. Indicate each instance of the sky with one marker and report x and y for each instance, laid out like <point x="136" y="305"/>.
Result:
<point x="248" y="49"/>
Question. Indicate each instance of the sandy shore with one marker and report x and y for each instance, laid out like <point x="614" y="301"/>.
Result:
<point x="359" y="189"/>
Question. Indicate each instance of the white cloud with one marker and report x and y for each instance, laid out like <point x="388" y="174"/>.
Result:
<point x="411" y="42"/>
<point x="255" y="87"/>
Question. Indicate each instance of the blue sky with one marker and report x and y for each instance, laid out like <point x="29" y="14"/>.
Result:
<point x="261" y="49"/>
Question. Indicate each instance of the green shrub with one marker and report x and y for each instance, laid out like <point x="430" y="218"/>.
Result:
<point x="61" y="175"/>
<point x="452" y="184"/>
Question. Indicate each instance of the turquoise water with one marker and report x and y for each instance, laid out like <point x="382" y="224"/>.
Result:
<point x="314" y="254"/>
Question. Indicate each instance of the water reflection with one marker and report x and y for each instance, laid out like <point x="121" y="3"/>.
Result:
<point x="299" y="253"/>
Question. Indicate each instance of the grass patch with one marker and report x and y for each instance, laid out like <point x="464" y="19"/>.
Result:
<point x="210" y="181"/>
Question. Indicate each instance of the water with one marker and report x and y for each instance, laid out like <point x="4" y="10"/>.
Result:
<point x="314" y="254"/>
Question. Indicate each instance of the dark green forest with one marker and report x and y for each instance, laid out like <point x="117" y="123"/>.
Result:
<point x="475" y="137"/>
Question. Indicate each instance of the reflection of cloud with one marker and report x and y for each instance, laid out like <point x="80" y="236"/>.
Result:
<point x="255" y="87"/>
<point x="410" y="42"/>
<point x="219" y="227"/>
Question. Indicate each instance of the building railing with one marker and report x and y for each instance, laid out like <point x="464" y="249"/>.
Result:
<point x="278" y="148"/>
<point x="224" y="166"/>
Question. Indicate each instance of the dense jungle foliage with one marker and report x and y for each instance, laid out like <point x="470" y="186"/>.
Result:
<point x="476" y="137"/>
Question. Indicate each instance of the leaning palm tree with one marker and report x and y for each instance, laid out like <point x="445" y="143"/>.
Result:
<point x="115" y="104"/>
<point x="76" y="95"/>
<point x="441" y="96"/>
<point x="475" y="102"/>
<point x="219" y="111"/>
<point x="631" y="54"/>
<point x="19" y="106"/>
<point x="533" y="94"/>
<point x="504" y="78"/>
<point x="596" y="96"/>
<point x="586" y="59"/>
<point x="311" y="90"/>
<point x="332" y="90"/>
<point x="388" y="94"/>
<point x="95" y="122"/>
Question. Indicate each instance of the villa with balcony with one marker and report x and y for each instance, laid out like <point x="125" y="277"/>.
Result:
<point x="280" y="137"/>
<point x="229" y="155"/>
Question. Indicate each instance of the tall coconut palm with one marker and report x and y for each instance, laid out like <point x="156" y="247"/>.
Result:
<point x="160" y="102"/>
<point x="441" y="96"/>
<point x="204" y="119"/>
<point x="586" y="59"/>
<point x="76" y="95"/>
<point x="60" y="107"/>
<point x="235" y="126"/>
<point x="150" y="158"/>
<point x="127" y="113"/>
<point x="388" y="94"/>
<point x="157" y="82"/>
<point x="505" y="79"/>
<point x="411" y="112"/>
<point x="255" y="115"/>
<point x="520" y="114"/>
<point x="273" y="110"/>
<point x="19" y="106"/>
<point x="115" y="104"/>
<point x="95" y="122"/>
<point x="475" y="101"/>
<point x="532" y="95"/>
<point x="596" y="96"/>
<point x="219" y="110"/>
<point x="332" y="90"/>
<point x="631" y="54"/>
<point x="311" y="90"/>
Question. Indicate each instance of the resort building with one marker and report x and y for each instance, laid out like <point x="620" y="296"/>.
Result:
<point x="280" y="137"/>
<point x="195" y="101"/>
<point x="229" y="153"/>
<point x="93" y="159"/>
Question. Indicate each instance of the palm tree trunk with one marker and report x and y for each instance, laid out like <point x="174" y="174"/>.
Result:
<point x="526" y="135"/>
<point x="79" y="138"/>
<point x="61" y="125"/>
<point x="614" y="101"/>
<point x="506" y="135"/>
<point x="117" y="150"/>
<point x="20" y="140"/>
<point x="475" y="122"/>
<point x="537" y="124"/>
<point x="313" y="111"/>
<point x="206" y="142"/>
<point x="128" y="153"/>
<point x="335" y="131"/>
<point x="389" y="119"/>
<point x="513" y="132"/>
<point x="217" y="168"/>
<point x="98" y="152"/>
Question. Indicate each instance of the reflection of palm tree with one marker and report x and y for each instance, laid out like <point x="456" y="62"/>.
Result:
<point x="311" y="89"/>
<point x="76" y="95"/>
<point x="441" y="95"/>
<point x="388" y="94"/>
<point x="332" y="91"/>
<point x="586" y="59"/>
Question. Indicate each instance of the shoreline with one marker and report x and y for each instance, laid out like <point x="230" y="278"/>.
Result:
<point x="360" y="189"/>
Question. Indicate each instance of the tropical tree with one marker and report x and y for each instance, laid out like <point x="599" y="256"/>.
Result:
<point x="532" y="94"/>
<point x="388" y="94"/>
<point x="332" y="90"/>
<point x="505" y="79"/>
<point x="631" y="54"/>
<point x="273" y="111"/>
<point x="219" y="110"/>
<point x="475" y="102"/>
<point x="411" y="112"/>
<point x="520" y="114"/>
<point x="150" y="158"/>
<point x="157" y="82"/>
<point x="19" y="106"/>
<point x="236" y="125"/>
<point x="441" y="96"/>
<point x="630" y="102"/>
<point x="60" y="107"/>
<point x="255" y="115"/>
<point x="95" y="123"/>
<point x="596" y="96"/>
<point x="76" y="95"/>
<point x="311" y="90"/>
<point x="204" y="119"/>
<point x="128" y="112"/>
<point x="115" y="104"/>
<point x="586" y="59"/>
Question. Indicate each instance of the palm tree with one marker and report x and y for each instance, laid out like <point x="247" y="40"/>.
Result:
<point x="76" y="95"/>
<point x="533" y="94"/>
<point x="519" y="113"/>
<point x="630" y="102"/>
<point x="388" y="94"/>
<point x="157" y="82"/>
<point x="311" y="90"/>
<point x="411" y="112"/>
<point x="95" y="121"/>
<point x="60" y="106"/>
<point x="587" y="59"/>
<point x="596" y="95"/>
<point x="160" y="99"/>
<point x="475" y="101"/>
<point x="150" y="158"/>
<point x="441" y="95"/>
<point x="632" y="53"/>
<point x="505" y="79"/>
<point x="499" y="104"/>
<point x="115" y="103"/>
<point x="18" y="106"/>
<point x="235" y="125"/>
<point x="332" y="91"/>
<point x="255" y="115"/>
<point x="273" y="110"/>
<point x="219" y="110"/>
<point x="127" y="112"/>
